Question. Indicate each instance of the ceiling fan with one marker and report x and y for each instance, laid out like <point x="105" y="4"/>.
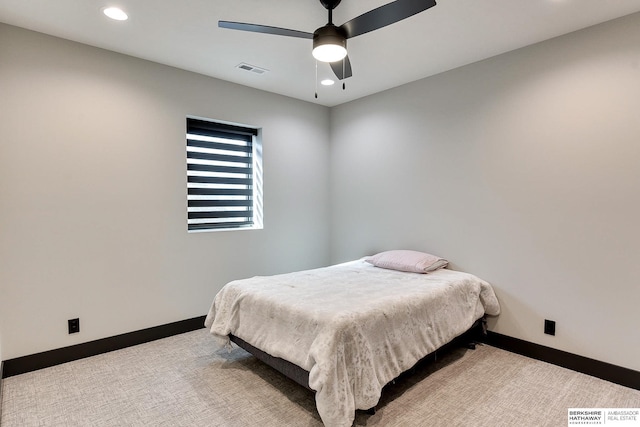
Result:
<point x="330" y="41"/>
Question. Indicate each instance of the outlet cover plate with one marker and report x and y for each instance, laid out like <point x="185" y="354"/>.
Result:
<point x="74" y="326"/>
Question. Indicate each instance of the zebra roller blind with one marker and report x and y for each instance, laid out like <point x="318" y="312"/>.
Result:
<point x="221" y="176"/>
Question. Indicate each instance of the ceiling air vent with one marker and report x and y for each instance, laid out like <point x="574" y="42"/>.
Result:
<point x="251" y="68"/>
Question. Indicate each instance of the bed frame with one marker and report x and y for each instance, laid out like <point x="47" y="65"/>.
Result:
<point x="473" y="335"/>
<point x="286" y="368"/>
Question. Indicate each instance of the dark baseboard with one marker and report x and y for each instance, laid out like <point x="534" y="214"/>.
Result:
<point x="21" y="365"/>
<point x="606" y="371"/>
<point x="1" y="369"/>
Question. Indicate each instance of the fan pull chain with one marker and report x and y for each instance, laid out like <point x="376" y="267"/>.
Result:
<point x="316" y="79"/>
<point x="343" y="76"/>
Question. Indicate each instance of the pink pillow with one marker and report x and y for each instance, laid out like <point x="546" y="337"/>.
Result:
<point x="404" y="260"/>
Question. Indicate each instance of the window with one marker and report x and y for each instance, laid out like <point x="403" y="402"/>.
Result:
<point x="224" y="176"/>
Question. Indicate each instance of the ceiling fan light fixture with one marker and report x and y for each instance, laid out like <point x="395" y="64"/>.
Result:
<point x="329" y="53"/>
<point x="329" y="44"/>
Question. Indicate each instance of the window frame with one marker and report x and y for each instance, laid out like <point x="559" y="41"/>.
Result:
<point x="224" y="175"/>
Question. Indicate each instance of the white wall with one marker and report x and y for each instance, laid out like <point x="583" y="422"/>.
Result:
<point x="522" y="169"/>
<point x="93" y="192"/>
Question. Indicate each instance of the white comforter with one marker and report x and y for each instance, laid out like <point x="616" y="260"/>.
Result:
<point x="353" y="326"/>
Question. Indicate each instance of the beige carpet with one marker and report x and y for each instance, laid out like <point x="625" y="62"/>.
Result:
<point x="184" y="381"/>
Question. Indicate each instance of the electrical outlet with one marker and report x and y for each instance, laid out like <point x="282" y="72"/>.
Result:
<point x="74" y="325"/>
<point x="549" y="327"/>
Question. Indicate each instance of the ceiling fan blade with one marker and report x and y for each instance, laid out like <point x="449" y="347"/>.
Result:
<point x="385" y="15"/>
<point x="342" y="69"/>
<point x="265" y="29"/>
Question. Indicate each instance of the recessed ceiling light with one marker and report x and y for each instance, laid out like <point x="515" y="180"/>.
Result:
<point x="115" y="13"/>
<point x="327" y="82"/>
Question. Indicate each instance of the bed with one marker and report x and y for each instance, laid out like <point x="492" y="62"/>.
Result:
<point x="350" y="328"/>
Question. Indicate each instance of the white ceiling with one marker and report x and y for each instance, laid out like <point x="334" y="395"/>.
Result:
<point x="184" y="34"/>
